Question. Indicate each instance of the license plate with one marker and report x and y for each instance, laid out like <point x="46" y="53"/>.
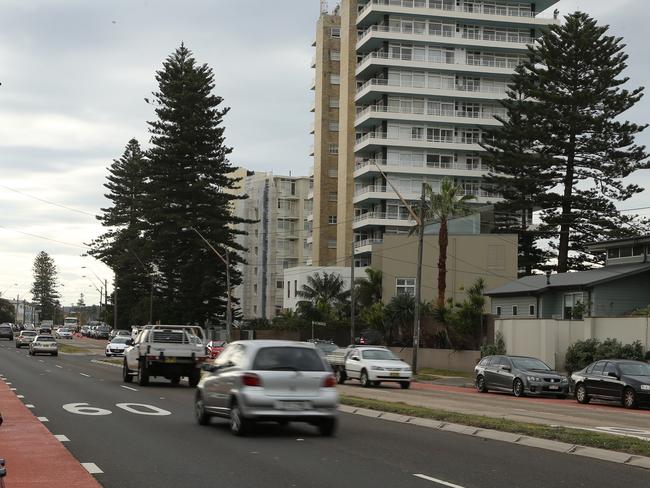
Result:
<point x="394" y="374"/>
<point x="170" y="360"/>
<point x="291" y="406"/>
<point x="553" y="387"/>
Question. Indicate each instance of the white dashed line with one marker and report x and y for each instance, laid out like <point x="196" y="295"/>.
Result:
<point x="20" y="396"/>
<point x="84" y="374"/>
<point x="12" y="389"/>
<point x="7" y="383"/>
<point x="43" y="419"/>
<point x="41" y="361"/>
<point x="435" y="480"/>
<point x="61" y="438"/>
<point x="128" y="388"/>
<point x="29" y="405"/>
<point x="92" y="468"/>
<point x="58" y="366"/>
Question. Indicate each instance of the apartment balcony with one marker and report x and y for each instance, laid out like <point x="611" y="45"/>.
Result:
<point x="311" y="150"/>
<point x="365" y="246"/>
<point x="312" y="64"/>
<point x="371" y="116"/>
<point x="373" y="12"/>
<point x="312" y="128"/>
<point x="312" y="108"/>
<point x="381" y="219"/>
<point x="377" y="140"/>
<point x="374" y="193"/>
<point x="310" y="217"/>
<point x="312" y="85"/>
<point x="377" y="61"/>
<point x="309" y="240"/>
<point x="374" y="36"/>
<point x="369" y="168"/>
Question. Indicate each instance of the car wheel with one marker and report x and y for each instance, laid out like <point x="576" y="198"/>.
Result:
<point x="143" y="374"/>
<point x="238" y="424"/>
<point x="480" y="384"/>
<point x="327" y="427"/>
<point x="126" y="373"/>
<point x="518" y="388"/>
<point x="340" y="376"/>
<point x="405" y="385"/>
<point x="199" y="410"/>
<point x="194" y="378"/>
<point x="108" y="355"/>
<point x="364" y="380"/>
<point x="629" y="398"/>
<point x="581" y="394"/>
<point x="176" y="380"/>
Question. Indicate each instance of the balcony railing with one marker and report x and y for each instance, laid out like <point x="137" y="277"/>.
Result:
<point x="436" y="112"/>
<point x="471" y="87"/>
<point x="384" y="216"/>
<point x="371" y="189"/>
<point x="472" y="61"/>
<point x="421" y="164"/>
<point x="515" y="38"/>
<point x="367" y="242"/>
<point x="415" y="138"/>
<point x="500" y="10"/>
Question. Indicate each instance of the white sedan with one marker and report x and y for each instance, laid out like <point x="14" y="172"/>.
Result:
<point x="63" y="333"/>
<point x="372" y="365"/>
<point x="45" y="344"/>
<point x="117" y="346"/>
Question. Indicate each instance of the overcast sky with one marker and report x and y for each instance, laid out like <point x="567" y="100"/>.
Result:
<point x="74" y="76"/>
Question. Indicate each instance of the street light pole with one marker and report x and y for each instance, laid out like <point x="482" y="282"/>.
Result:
<point x="418" y="286"/>
<point x="151" y="291"/>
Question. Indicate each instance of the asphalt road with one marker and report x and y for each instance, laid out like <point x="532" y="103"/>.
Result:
<point x="171" y="450"/>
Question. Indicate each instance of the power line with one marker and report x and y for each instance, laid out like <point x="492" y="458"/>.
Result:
<point x="72" y="209"/>
<point x="45" y="238"/>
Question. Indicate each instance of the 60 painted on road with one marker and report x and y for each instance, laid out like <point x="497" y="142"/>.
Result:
<point x="136" y="408"/>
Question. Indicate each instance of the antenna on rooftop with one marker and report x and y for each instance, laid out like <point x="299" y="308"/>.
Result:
<point x="324" y="7"/>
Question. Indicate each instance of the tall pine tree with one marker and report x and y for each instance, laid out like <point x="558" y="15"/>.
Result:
<point x="188" y="186"/>
<point x="44" y="290"/>
<point x="575" y="149"/>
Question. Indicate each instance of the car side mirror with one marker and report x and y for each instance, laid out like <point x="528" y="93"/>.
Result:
<point x="612" y="374"/>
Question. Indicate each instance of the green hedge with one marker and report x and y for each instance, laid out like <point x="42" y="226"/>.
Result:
<point x="582" y="353"/>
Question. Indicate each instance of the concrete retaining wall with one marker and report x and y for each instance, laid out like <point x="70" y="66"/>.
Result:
<point x="441" y="358"/>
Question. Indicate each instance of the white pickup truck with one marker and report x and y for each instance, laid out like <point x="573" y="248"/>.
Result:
<point x="170" y="351"/>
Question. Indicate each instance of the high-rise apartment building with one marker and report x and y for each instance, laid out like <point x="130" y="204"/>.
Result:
<point x="420" y="80"/>
<point x="326" y="84"/>
<point x="276" y="240"/>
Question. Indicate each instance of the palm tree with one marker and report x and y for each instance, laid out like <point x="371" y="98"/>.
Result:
<point x="399" y="313"/>
<point x="368" y="290"/>
<point x="324" y="295"/>
<point x="450" y="202"/>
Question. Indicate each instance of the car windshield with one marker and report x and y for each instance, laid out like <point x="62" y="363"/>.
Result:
<point x="531" y="364"/>
<point x="120" y="340"/>
<point x="288" y="359"/>
<point x="45" y="339"/>
<point x="635" y="369"/>
<point x="28" y="333"/>
<point x="326" y="347"/>
<point x="382" y="354"/>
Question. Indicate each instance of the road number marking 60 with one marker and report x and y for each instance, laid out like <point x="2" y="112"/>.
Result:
<point x="137" y="408"/>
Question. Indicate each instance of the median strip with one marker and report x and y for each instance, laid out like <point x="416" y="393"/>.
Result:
<point x="557" y="438"/>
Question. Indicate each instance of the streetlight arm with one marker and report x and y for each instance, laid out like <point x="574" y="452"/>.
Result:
<point x="210" y="245"/>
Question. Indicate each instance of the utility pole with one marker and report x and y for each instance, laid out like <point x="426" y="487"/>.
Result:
<point x="418" y="286"/>
<point x="17" y="301"/>
<point x="106" y="302"/>
<point x="352" y="297"/>
<point x="115" y="303"/>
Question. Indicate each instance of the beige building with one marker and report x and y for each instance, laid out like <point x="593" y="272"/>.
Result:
<point x="275" y="240"/>
<point x="492" y="257"/>
<point x="326" y="134"/>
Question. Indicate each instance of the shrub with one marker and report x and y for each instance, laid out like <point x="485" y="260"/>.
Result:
<point x="582" y="353"/>
<point x="499" y="346"/>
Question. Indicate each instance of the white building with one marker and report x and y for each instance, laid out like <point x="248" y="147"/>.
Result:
<point x="295" y="278"/>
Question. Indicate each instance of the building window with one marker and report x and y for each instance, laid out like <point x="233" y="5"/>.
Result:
<point x="515" y="310"/>
<point x="333" y="196"/>
<point x="498" y="311"/>
<point x="333" y="149"/>
<point x="279" y="284"/>
<point x="333" y="125"/>
<point x="335" y="32"/>
<point x="255" y="309"/>
<point x="612" y="253"/>
<point x="255" y="271"/>
<point x="288" y="289"/>
<point x="255" y="289"/>
<point x="626" y="252"/>
<point x="405" y="286"/>
<point x="333" y="173"/>
<point x="295" y="288"/>
<point x="331" y="244"/>
<point x="335" y="55"/>
<point x="573" y="306"/>
<point x="335" y="79"/>
<point x="334" y="102"/>
<point x="331" y="219"/>
<point x="255" y="249"/>
<point x="531" y="310"/>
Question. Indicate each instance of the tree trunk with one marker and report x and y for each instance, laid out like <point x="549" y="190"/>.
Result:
<point x="443" y="240"/>
<point x="565" y="225"/>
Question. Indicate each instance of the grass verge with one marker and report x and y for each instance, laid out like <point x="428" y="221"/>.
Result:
<point x="67" y="348"/>
<point x="628" y="445"/>
<point x="444" y="372"/>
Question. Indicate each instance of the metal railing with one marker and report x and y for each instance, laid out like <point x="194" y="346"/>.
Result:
<point x="513" y="37"/>
<point x="500" y="10"/>
<point x="483" y="114"/>
<point x="421" y="164"/>
<point x="424" y="138"/>
<point x="384" y="216"/>
<point x="472" y="87"/>
<point x="473" y="61"/>
<point x="367" y="242"/>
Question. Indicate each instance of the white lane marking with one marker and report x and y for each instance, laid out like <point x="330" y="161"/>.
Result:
<point x="128" y="388"/>
<point x="58" y="366"/>
<point x="61" y="438"/>
<point x="435" y="480"/>
<point x="85" y="409"/>
<point x="7" y="383"/>
<point x="43" y="419"/>
<point x="152" y="410"/>
<point x="41" y="361"/>
<point x="29" y="405"/>
<point x="92" y="468"/>
<point x="20" y="396"/>
<point x="84" y="374"/>
<point x="12" y="389"/>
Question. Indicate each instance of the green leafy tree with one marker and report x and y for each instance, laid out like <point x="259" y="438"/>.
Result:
<point x="466" y="318"/>
<point x="7" y="311"/>
<point x="44" y="290"/>
<point x="188" y="187"/>
<point x="450" y="202"/>
<point x="399" y="315"/>
<point x="324" y="297"/>
<point x="574" y="138"/>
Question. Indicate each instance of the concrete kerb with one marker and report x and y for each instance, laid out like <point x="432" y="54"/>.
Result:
<point x="496" y="435"/>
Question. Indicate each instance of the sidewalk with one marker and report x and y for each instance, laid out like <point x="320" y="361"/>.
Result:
<point x="35" y="458"/>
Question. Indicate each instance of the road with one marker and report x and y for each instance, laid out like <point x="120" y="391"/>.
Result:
<point x="170" y="450"/>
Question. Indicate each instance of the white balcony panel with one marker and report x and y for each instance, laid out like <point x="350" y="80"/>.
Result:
<point x="381" y="219"/>
<point x="383" y="60"/>
<point x="454" y="117"/>
<point x="455" y="169"/>
<point x="478" y="92"/>
<point x="381" y="139"/>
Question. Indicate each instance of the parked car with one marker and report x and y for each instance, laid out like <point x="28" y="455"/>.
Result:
<point x="326" y="347"/>
<point x="371" y="365"/>
<point x="84" y="330"/>
<point x="45" y="344"/>
<point x="102" y="332"/>
<point x="520" y="375"/>
<point x="25" y="338"/>
<point x="215" y="348"/>
<point x="620" y="380"/>
<point x="6" y="332"/>
<point x="117" y="346"/>
<point x="369" y="337"/>
<point x="276" y="381"/>
<point x="118" y="332"/>
<point x="63" y="333"/>
<point x="45" y="330"/>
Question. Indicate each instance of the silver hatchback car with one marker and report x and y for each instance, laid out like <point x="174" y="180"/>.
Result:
<point x="277" y="381"/>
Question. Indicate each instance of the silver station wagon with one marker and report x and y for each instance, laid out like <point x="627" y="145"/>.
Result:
<point x="277" y="381"/>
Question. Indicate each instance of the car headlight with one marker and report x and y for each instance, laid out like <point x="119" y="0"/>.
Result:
<point x="533" y="378"/>
<point x="377" y="368"/>
<point x="645" y="387"/>
<point x="406" y="370"/>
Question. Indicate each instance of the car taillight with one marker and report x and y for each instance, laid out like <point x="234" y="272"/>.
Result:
<point x="330" y="381"/>
<point x="251" y="379"/>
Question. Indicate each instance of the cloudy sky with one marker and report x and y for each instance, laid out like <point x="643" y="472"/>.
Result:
<point x="74" y="76"/>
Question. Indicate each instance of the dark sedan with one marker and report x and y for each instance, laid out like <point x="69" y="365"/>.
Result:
<point x="520" y="375"/>
<point x="619" y="380"/>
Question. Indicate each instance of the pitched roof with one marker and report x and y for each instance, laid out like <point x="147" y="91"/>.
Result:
<point x="533" y="285"/>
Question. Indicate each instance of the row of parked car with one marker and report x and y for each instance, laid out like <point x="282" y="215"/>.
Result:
<point x="619" y="380"/>
<point x="101" y="331"/>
